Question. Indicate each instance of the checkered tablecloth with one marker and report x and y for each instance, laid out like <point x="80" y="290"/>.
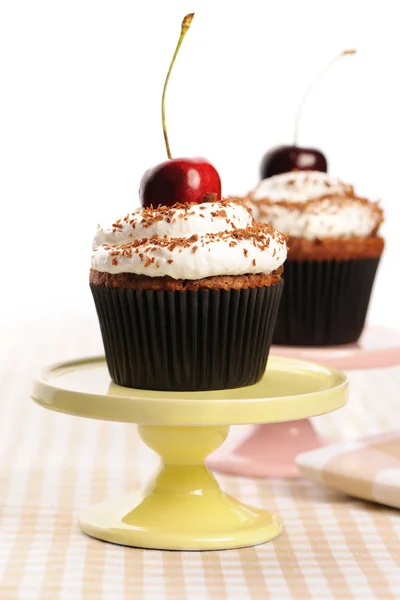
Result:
<point x="52" y="465"/>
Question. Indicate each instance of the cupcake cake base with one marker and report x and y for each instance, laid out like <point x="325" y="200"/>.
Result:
<point x="325" y="302"/>
<point x="208" y="334"/>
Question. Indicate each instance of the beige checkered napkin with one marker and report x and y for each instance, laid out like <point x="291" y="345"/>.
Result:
<point x="368" y="468"/>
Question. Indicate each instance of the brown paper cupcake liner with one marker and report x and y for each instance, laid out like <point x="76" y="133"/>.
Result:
<point x="324" y="303"/>
<point x="187" y="341"/>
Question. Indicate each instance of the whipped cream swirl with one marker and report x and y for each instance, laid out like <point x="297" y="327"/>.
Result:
<point x="300" y="186"/>
<point x="190" y="241"/>
<point x="314" y="205"/>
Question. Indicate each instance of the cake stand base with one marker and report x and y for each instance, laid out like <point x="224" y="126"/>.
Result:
<point x="257" y="455"/>
<point x="184" y="508"/>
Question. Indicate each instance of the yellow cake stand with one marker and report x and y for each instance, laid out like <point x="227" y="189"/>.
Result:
<point x="184" y="508"/>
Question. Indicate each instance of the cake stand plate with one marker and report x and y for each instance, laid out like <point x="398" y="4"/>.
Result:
<point x="378" y="347"/>
<point x="184" y="508"/>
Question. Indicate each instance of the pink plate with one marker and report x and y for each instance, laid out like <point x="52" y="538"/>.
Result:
<point x="378" y="347"/>
<point x="270" y="450"/>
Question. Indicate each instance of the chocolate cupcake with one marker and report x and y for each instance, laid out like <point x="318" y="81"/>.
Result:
<point x="187" y="296"/>
<point x="334" y="252"/>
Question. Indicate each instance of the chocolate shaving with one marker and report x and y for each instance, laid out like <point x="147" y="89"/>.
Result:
<point x="210" y="197"/>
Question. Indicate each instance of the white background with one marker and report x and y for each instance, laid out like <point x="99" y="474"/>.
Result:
<point x="80" y="92"/>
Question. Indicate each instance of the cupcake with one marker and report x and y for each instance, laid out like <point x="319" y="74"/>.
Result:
<point x="334" y="252"/>
<point x="187" y="296"/>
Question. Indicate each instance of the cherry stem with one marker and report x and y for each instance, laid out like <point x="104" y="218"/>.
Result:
<point x="184" y="28"/>
<point x="311" y="86"/>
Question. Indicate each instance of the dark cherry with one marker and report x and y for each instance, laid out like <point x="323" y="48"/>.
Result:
<point x="179" y="180"/>
<point x="282" y="159"/>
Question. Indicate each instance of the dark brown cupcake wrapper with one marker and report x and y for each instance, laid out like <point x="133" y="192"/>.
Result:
<point x="187" y="341"/>
<point x="324" y="303"/>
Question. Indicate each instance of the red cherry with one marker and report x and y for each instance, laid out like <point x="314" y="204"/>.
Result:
<point x="292" y="158"/>
<point x="179" y="180"/>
